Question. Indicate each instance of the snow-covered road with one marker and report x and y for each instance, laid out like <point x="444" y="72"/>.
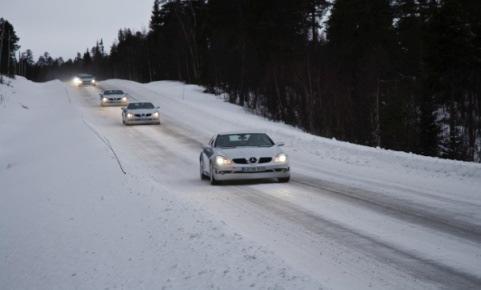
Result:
<point x="352" y="218"/>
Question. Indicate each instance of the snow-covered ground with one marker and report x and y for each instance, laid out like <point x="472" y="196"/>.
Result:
<point x="87" y="203"/>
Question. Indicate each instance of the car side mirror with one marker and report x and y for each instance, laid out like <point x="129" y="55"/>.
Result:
<point x="280" y="144"/>
<point x="207" y="149"/>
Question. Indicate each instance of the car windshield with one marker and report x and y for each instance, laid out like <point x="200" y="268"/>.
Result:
<point x="114" y="92"/>
<point x="136" y="106"/>
<point x="85" y="76"/>
<point x="238" y="140"/>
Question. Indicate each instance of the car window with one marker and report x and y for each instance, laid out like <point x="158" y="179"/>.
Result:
<point x="239" y="140"/>
<point x="113" y="92"/>
<point x="135" y="106"/>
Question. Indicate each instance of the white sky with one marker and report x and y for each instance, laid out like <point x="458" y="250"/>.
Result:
<point x="63" y="27"/>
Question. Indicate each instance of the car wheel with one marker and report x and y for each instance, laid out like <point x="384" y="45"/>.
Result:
<point x="284" y="179"/>
<point x="202" y="174"/>
<point x="213" y="181"/>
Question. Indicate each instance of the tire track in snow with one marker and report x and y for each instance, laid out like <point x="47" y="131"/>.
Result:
<point x="408" y="262"/>
<point x="67" y="93"/>
<point x="102" y="138"/>
<point x="400" y="209"/>
<point x="107" y="143"/>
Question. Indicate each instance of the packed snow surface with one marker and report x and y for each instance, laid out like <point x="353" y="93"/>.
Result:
<point x="87" y="203"/>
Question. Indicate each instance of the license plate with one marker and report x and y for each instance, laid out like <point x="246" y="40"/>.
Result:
<point x="252" y="169"/>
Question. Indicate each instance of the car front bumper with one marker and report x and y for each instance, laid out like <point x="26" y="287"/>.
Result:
<point x="244" y="172"/>
<point x="144" y="121"/>
<point x="113" y="103"/>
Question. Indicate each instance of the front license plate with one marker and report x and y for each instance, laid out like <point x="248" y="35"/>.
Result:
<point x="252" y="169"/>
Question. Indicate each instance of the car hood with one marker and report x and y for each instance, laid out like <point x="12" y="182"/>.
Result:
<point x="247" y="152"/>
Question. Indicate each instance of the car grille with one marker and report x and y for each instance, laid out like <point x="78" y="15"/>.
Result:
<point x="142" y="115"/>
<point x="240" y="160"/>
<point x="244" y="161"/>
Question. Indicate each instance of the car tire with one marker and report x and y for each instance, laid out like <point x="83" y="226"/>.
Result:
<point x="213" y="181"/>
<point x="202" y="173"/>
<point x="284" y="179"/>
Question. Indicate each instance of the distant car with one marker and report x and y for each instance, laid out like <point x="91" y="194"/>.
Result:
<point x="235" y="156"/>
<point x="140" y="113"/>
<point x="84" y="80"/>
<point x="113" y="98"/>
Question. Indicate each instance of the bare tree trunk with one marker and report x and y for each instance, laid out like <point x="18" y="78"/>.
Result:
<point x="2" y="37"/>
<point x="8" y="53"/>
<point x="377" y="130"/>
<point x="278" y="94"/>
<point x="190" y="39"/>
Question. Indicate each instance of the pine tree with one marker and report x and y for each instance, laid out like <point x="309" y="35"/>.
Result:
<point x="8" y="47"/>
<point x="87" y="58"/>
<point x="454" y="69"/>
<point x="360" y="40"/>
<point x="156" y="17"/>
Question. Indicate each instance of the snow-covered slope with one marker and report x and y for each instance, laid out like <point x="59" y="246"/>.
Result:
<point x="88" y="203"/>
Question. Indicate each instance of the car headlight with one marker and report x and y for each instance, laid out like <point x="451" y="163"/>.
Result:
<point x="76" y="81"/>
<point x="280" y="158"/>
<point x="222" y="161"/>
<point x="156" y="115"/>
<point x="92" y="81"/>
<point x="129" y="115"/>
<point x="104" y="100"/>
<point x="124" y="99"/>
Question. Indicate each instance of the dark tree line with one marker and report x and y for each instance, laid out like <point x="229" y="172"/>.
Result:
<point x="399" y="74"/>
<point x="8" y="47"/>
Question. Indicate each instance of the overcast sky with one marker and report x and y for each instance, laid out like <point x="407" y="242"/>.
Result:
<point x="63" y="27"/>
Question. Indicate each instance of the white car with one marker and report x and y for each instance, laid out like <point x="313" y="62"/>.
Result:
<point x="113" y="98"/>
<point x="140" y="113"/>
<point x="84" y="80"/>
<point x="236" y="156"/>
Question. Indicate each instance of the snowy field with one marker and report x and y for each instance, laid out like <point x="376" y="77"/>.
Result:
<point x="86" y="203"/>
